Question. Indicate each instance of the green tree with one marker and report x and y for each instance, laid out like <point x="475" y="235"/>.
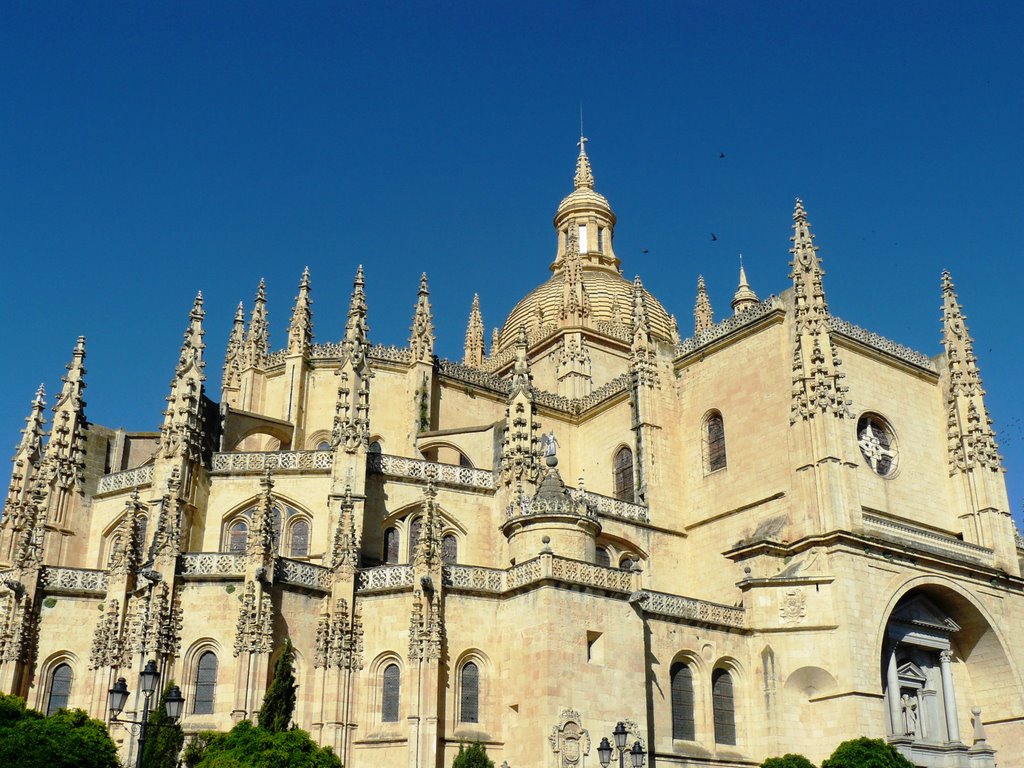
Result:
<point x="279" y="700"/>
<point x="246" y="746"/>
<point x="196" y="748"/>
<point x="473" y="756"/>
<point x="787" y="761"/>
<point x="866" y="753"/>
<point x="164" y="737"/>
<point x="66" y="739"/>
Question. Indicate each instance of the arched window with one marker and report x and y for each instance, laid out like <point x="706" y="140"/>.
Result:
<point x="206" y="683"/>
<point x="300" y="539"/>
<point x="469" y="694"/>
<point x="376" y="447"/>
<point x="623" y="474"/>
<point x="464" y="460"/>
<point x="714" y="441"/>
<point x="449" y="549"/>
<point x="724" y="707"/>
<point x="392" y="539"/>
<point x="238" y="536"/>
<point x="60" y="688"/>
<point x="323" y="445"/>
<point x="602" y="557"/>
<point x="392" y="690"/>
<point x="627" y="562"/>
<point x="414" y="536"/>
<point x="682" y="702"/>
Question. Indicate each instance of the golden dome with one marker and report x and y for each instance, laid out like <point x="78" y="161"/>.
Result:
<point x="585" y="256"/>
<point x="611" y="308"/>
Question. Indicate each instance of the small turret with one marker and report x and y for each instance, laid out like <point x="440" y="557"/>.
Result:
<point x="65" y="450"/>
<point x="421" y="339"/>
<point x="300" y="329"/>
<point x="745" y="297"/>
<point x="181" y="433"/>
<point x="474" y="350"/>
<point x="809" y="293"/>
<point x="234" y="356"/>
<point x="356" y="328"/>
<point x="257" y="340"/>
<point x="703" y="316"/>
<point x="642" y="361"/>
<point x="29" y="453"/>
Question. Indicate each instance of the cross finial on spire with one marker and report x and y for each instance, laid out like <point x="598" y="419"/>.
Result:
<point x="584" y="178"/>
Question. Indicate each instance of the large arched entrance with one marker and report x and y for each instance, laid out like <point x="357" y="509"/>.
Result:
<point x="941" y="659"/>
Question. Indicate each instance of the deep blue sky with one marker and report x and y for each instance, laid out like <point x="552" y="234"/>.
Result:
<point x="148" y="150"/>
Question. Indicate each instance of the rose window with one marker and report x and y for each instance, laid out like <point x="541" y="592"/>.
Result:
<point x="877" y="444"/>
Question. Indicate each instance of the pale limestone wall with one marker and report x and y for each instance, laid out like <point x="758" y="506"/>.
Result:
<point x="807" y="664"/>
<point x="912" y="403"/>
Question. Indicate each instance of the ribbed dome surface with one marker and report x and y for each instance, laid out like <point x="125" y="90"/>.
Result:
<point x="605" y="289"/>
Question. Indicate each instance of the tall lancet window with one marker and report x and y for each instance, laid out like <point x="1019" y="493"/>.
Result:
<point x="392" y="540"/>
<point x="622" y="474"/>
<point x="60" y="688"/>
<point x="714" y="442"/>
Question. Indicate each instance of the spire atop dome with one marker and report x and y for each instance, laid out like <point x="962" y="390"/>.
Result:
<point x="745" y="296"/>
<point x="584" y="178"/>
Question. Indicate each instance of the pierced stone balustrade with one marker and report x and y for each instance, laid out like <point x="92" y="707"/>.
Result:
<point x="138" y="477"/>
<point x="74" y="581"/>
<point x="452" y="475"/>
<point x="674" y="606"/>
<point x="212" y="564"/>
<point x="244" y="462"/>
<point x="612" y="507"/>
<point x="385" y="578"/>
<point x="303" y="574"/>
<point x="474" y="578"/>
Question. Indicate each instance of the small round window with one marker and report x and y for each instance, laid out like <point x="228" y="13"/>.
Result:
<point x="877" y="444"/>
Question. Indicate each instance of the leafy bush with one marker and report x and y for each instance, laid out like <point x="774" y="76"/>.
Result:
<point x="196" y="748"/>
<point x="473" y="756"/>
<point x="66" y="739"/>
<point x="246" y="746"/>
<point x="866" y="753"/>
<point x="787" y="761"/>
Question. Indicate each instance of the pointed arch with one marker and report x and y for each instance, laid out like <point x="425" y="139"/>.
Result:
<point x="288" y="512"/>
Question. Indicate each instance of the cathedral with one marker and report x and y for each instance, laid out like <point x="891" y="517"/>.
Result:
<point x="771" y="534"/>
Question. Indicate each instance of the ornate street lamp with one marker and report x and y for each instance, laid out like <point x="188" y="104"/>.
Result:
<point x="604" y="750"/>
<point x="118" y="697"/>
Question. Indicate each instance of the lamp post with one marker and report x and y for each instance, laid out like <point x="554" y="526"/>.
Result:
<point x="636" y="754"/>
<point x="118" y="697"/>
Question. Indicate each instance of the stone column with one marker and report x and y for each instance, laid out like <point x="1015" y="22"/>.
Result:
<point x="949" y="695"/>
<point x="892" y="681"/>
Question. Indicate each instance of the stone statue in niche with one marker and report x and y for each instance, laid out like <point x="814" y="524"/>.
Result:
<point x="570" y="741"/>
<point x="909" y="706"/>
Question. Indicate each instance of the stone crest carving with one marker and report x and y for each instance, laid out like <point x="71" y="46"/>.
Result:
<point x="793" y="606"/>
<point x="570" y="741"/>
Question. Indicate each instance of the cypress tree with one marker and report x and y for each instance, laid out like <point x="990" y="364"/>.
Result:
<point x="163" y="737"/>
<point x="279" y="701"/>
